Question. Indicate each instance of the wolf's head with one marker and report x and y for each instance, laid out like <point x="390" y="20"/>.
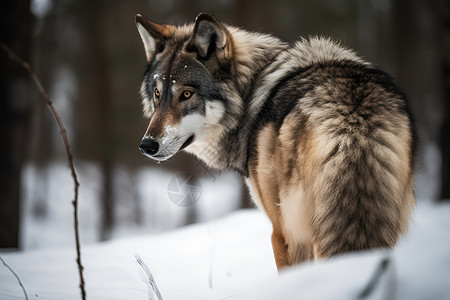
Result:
<point x="188" y="90"/>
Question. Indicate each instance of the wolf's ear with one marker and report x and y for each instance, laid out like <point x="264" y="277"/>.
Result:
<point x="211" y="37"/>
<point x="153" y="35"/>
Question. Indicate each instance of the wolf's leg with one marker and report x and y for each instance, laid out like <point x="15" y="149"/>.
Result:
<point x="287" y="255"/>
<point x="280" y="250"/>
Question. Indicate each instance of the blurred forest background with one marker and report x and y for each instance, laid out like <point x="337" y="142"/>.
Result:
<point x="89" y="56"/>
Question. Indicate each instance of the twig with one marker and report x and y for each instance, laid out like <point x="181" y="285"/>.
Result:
<point x="152" y="282"/>
<point x="376" y="277"/>
<point x="17" y="277"/>
<point x="29" y="69"/>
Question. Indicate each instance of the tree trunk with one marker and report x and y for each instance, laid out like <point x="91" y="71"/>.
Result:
<point x="15" y="110"/>
<point x="444" y="138"/>
<point x="95" y="106"/>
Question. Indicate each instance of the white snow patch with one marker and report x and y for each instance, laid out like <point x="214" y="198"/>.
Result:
<point x="234" y="253"/>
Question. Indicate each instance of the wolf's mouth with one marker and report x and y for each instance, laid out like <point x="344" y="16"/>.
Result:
<point x="188" y="142"/>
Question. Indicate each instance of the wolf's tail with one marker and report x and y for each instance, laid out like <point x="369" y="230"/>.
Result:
<point x="363" y="182"/>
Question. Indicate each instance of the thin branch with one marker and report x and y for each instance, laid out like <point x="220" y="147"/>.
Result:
<point x="29" y="69"/>
<point x="381" y="270"/>
<point x="153" y="288"/>
<point x="17" y="277"/>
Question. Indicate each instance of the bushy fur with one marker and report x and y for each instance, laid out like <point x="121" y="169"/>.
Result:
<point x="324" y="140"/>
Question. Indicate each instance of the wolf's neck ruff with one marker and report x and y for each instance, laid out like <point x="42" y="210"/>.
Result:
<point x="252" y="56"/>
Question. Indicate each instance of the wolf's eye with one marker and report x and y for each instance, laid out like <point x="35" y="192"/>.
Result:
<point x="186" y="95"/>
<point x="156" y="92"/>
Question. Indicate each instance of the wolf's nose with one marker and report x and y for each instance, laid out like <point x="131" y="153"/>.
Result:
<point x="149" y="146"/>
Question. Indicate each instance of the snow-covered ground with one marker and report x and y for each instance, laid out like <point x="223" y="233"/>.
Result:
<point x="226" y="256"/>
<point x="231" y="258"/>
<point x="235" y="250"/>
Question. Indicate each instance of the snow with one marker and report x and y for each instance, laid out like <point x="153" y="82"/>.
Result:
<point x="180" y="261"/>
<point x="231" y="258"/>
<point x="227" y="256"/>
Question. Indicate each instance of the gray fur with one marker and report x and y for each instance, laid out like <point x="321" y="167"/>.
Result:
<point x="325" y="140"/>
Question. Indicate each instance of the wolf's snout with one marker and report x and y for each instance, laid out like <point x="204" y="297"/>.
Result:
<point x="149" y="146"/>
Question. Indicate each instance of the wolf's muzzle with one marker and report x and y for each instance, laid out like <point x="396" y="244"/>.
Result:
<point x="149" y="146"/>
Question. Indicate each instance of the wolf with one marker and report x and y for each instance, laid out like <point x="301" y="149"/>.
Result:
<point x="324" y="140"/>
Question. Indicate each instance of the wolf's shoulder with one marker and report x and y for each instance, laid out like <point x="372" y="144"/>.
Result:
<point x="311" y="52"/>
